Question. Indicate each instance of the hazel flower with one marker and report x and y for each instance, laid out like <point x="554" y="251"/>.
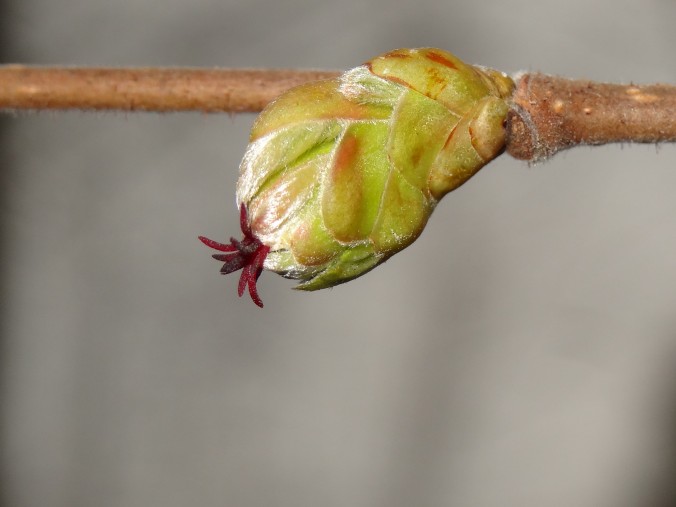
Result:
<point x="342" y="174"/>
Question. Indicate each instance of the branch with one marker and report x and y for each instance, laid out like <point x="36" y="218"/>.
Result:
<point x="548" y="113"/>
<point x="146" y="89"/>
<point x="551" y="113"/>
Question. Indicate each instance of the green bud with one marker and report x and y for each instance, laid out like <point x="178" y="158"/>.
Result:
<point x="341" y="174"/>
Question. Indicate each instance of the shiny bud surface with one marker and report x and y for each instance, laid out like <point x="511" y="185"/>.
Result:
<point x="341" y="174"/>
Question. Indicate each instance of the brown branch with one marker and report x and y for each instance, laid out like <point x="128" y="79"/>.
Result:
<point x="551" y="113"/>
<point x="146" y="89"/>
<point x="548" y="113"/>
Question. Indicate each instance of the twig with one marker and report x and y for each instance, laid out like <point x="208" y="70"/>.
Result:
<point x="147" y="89"/>
<point x="548" y="113"/>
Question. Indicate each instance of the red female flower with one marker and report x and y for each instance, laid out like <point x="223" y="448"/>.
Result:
<point x="248" y="255"/>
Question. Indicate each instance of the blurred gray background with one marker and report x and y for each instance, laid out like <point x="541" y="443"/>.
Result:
<point x="520" y="353"/>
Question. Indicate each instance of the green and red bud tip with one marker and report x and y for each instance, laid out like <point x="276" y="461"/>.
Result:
<point x="248" y="255"/>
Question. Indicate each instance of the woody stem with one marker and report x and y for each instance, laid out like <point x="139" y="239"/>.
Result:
<point x="548" y="113"/>
<point x="146" y="89"/>
<point x="551" y="113"/>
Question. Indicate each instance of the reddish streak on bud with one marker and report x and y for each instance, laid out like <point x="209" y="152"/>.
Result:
<point x="348" y="150"/>
<point x="450" y="136"/>
<point x="472" y="139"/>
<point x="436" y="57"/>
<point x="248" y="255"/>
<point x="397" y="54"/>
<point x="398" y="80"/>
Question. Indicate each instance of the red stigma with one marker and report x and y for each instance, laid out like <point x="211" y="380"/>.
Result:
<point x="248" y="255"/>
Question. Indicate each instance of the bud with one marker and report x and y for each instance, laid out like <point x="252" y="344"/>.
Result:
<point x="341" y="174"/>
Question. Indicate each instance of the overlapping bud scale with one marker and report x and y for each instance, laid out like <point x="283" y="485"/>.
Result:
<point x="341" y="174"/>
